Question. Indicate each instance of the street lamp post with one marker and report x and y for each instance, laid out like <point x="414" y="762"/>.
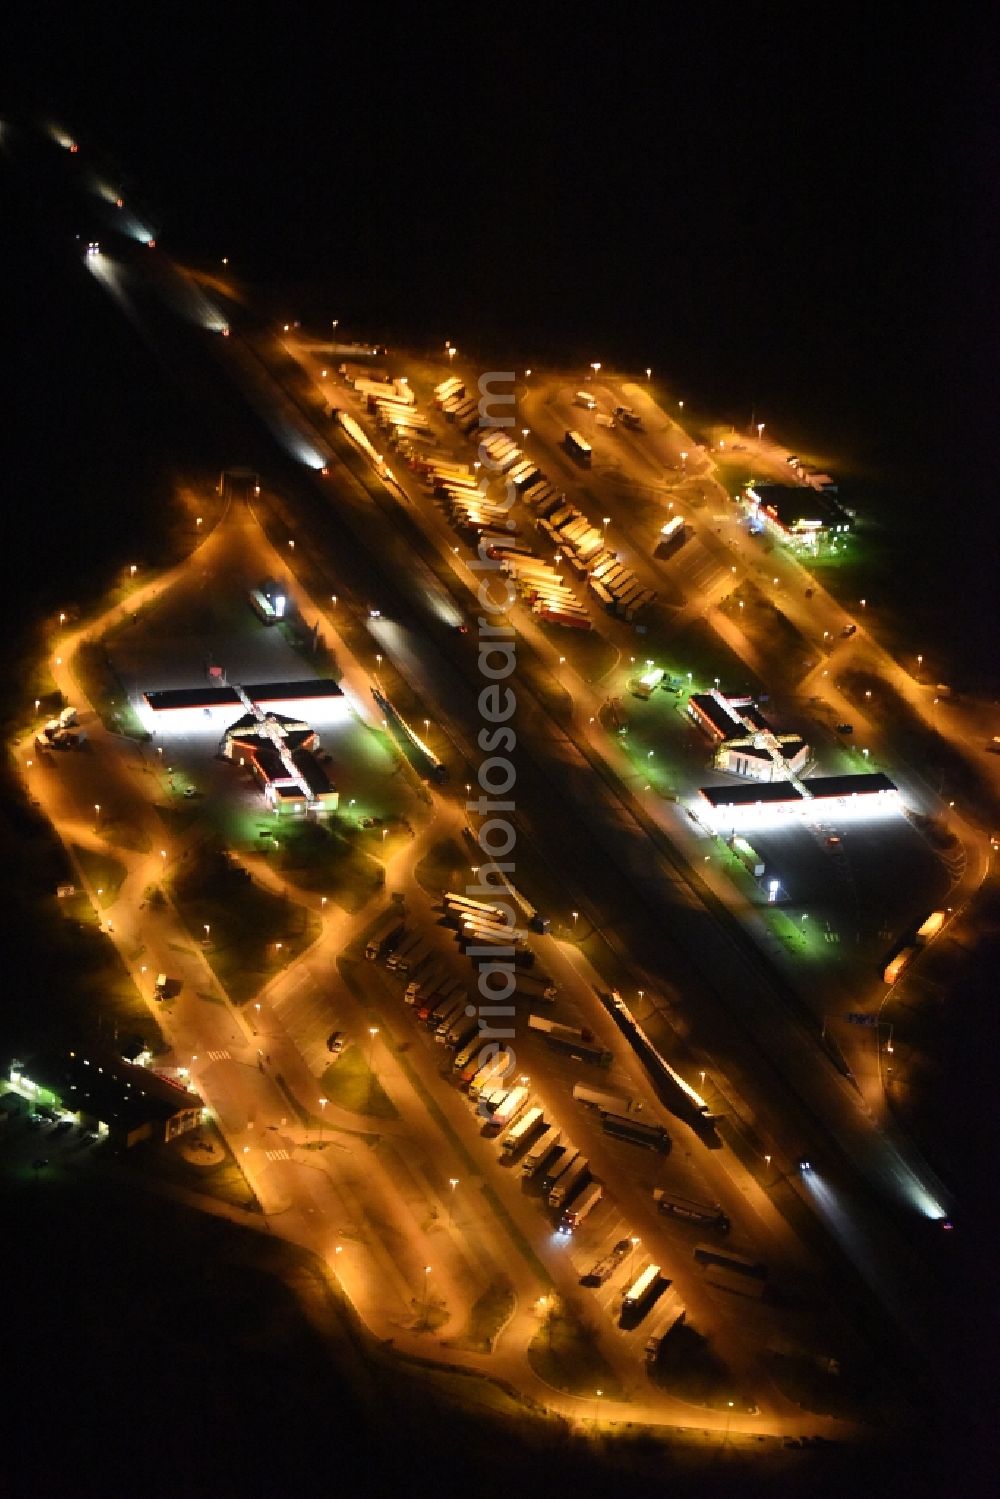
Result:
<point x="453" y="1183"/>
<point x="372" y="1033"/>
<point x="426" y="1316"/>
<point x="322" y="1104"/>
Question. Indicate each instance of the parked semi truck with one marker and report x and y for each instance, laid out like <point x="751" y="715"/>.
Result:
<point x="558" y="1166"/>
<point x="576" y="1040"/>
<point x="507" y="1111"/>
<point x="540" y="1151"/>
<point x="534" y="986"/>
<point x="385" y="936"/>
<point x="578" y="1211"/>
<point x="605" y="1267"/>
<point x="466" y="1052"/>
<point x="522" y="1131"/>
<point x="578" y="448"/>
<point x="572" y="1181"/>
<point x="463" y="1029"/>
<point x="607" y="1103"/>
<point x="703" y="1214"/>
<point x="406" y="944"/>
<point x="652" y="1136"/>
<point x="640" y="1292"/>
<point x="491" y="1072"/>
<point x="425" y="983"/>
<point x="730" y="1259"/>
<point x="670" y="1310"/>
<point x="410" y="960"/>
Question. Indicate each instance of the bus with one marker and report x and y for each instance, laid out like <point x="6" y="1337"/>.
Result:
<point x="578" y="448"/>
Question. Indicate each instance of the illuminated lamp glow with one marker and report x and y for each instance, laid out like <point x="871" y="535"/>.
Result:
<point x="871" y="807"/>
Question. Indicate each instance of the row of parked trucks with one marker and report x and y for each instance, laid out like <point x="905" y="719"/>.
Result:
<point x="582" y="545"/>
<point x="541" y="584"/>
<point x="485" y="934"/>
<point x="537" y="1145"/>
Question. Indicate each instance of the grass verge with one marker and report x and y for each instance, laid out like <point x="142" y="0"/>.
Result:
<point x="100" y="871"/>
<point x="565" y="1354"/>
<point x="348" y="1083"/>
<point x="488" y="1316"/>
<point x="251" y="934"/>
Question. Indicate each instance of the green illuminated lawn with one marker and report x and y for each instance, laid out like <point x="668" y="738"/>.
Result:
<point x="348" y="1084"/>
<point x="331" y="860"/>
<point x="101" y="872"/>
<point x="444" y="867"/>
<point x="246" y="923"/>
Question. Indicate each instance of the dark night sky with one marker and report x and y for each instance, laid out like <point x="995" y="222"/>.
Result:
<point x="783" y="210"/>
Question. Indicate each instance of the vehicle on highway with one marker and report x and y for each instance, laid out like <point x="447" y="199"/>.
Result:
<point x="849" y="630"/>
<point x="629" y="418"/>
<point x="335" y="1042"/>
<point x="845" y="728"/>
<point x="585" y="399"/>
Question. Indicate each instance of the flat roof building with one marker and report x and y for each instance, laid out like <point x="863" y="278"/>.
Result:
<point x="871" y="793"/>
<point x="796" y="512"/>
<point x="119" y="1099"/>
